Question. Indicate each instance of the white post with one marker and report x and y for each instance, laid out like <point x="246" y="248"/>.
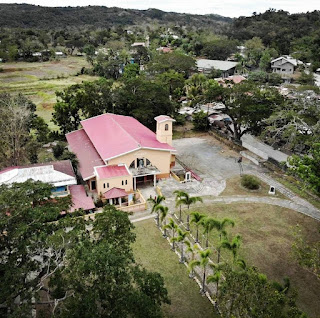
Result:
<point x="134" y="183"/>
<point x="110" y="201"/>
<point x="120" y="201"/>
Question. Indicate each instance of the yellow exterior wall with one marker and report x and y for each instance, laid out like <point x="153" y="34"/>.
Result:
<point x="158" y="158"/>
<point x="164" y="136"/>
<point x="115" y="182"/>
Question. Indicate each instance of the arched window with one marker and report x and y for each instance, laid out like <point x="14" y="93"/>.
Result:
<point x="166" y="127"/>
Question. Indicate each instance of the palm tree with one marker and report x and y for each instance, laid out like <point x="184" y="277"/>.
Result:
<point x="179" y="194"/>
<point x="197" y="219"/>
<point x="208" y="225"/>
<point x="163" y="215"/>
<point x="216" y="276"/>
<point x="191" y="249"/>
<point x="173" y="227"/>
<point x="182" y="239"/>
<point x="232" y="246"/>
<point x="188" y="200"/>
<point x="220" y="226"/>
<point x="155" y="203"/>
<point x="203" y="263"/>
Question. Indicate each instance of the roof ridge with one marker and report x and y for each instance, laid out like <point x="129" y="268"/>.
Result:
<point x="138" y="142"/>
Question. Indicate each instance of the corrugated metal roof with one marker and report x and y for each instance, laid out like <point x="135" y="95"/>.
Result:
<point x="216" y="64"/>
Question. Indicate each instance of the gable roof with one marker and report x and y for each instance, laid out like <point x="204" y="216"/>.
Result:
<point x="114" y="135"/>
<point x="163" y="118"/>
<point x="216" y="64"/>
<point x="57" y="173"/>
<point x="87" y="155"/>
<point x="115" y="193"/>
<point x="79" y="198"/>
<point x="287" y="59"/>
<point x="111" y="171"/>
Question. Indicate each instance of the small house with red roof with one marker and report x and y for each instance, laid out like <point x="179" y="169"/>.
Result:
<point x="117" y="154"/>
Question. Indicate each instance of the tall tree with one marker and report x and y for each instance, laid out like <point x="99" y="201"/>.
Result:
<point x="197" y="218"/>
<point x="156" y="204"/>
<point x="233" y="246"/>
<point x="181" y="238"/>
<point x="188" y="200"/>
<point x="174" y="228"/>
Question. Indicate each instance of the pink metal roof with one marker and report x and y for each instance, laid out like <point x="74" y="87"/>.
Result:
<point x="112" y="171"/>
<point x="87" y="155"/>
<point x="80" y="200"/>
<point x="115" y="193"/>
<point x="114" y="135"/>
<point x="162" y="118"/>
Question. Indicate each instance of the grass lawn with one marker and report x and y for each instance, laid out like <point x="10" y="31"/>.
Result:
<point x="267" y="237"/>
<point x="234" y="187"/>
<point x="153" y="252"/>
<point x="40" y="80"/>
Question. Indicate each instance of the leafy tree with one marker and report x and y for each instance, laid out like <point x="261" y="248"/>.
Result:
<point x="248" y="105"/>
<point x="156" y="204"/>
<point x="181" y="238"/>
<point x="179" y="194"/>
<point x="188" y="200"/>
<point x="220" y="226"/>
<point x="219" y="49"/>
<point x="131" y="71"/>
<point x="174" y="228"/>
<point x="16" y="119"/>
<point x="208" y="224"/>
<point x="197" y="218"/>
<point x="200" y="121"/>
<point x="232" y="246"/>
<point x="163" y="217"/>
<point x="308" y="167"/>
<point x="81" y="273"/>
<point x="174" y="81"/>
<point x="193" y="249"/>
<point x="216" y="276"/>
<point x="307" y="254"/>
<point x="203" y="263"/>
<point x="248" y="293"/>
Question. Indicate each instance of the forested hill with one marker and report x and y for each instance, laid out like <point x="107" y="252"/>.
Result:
<point x="31" y="16"/>
<point x="285" y="32"/>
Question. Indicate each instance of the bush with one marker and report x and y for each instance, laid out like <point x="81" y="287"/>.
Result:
<point x="250" y="182"/>
<point x="58" y="150"/>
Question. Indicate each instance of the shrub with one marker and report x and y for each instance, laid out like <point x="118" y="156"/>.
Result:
<point x="58" y="150"/>
<point x="250" y="182"/>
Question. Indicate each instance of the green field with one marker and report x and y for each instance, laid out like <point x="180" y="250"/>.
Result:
<point x="40" y="80"/>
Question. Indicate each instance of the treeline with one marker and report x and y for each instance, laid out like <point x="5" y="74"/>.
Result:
<point x="298" y="34"/>
<point x="31" y="16"/>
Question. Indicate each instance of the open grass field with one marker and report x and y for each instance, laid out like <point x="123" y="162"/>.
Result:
<point x="153" y="252"/>
<point x="267" y="237"/>
<point x="40" y="80"/>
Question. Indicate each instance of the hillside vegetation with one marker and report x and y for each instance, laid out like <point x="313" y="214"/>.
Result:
<point x="31" y="16"/>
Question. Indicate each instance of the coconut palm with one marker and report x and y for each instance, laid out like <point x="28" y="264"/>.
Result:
<point x="220" y="226"/>
<point x="192" y="249"/>
<point x="163" y="217"/>
<point x="208" y="224"/>
<point x="216" y="276"/>
<point x="203" y="263"/>
<point x="174" y="228"/>
<point x="232" y="246"/>
<point x="197" y="219"/>
<point x="155" y="203"/>
<point x="179" y="194"/>
<point x="188" y="200"/>
<point x="182" y="238"/>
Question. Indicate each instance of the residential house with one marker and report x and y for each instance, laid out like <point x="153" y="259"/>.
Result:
<point x="285" y="65"/>
<point x="117" y="154"/>
<point x="226" y="67"/>
<point x="59" y="174"/>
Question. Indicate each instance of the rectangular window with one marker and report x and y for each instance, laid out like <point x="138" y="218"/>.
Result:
<point x="122" y="182"/>
<point x="104" y="185"/>
<point x="93" y="185"/>
<point x="107" y="185"/>
<point x="126" y="182"/>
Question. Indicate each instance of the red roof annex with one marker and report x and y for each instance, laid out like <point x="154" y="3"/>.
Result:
<point x="80" y="200"/>
<point x="111" y="171"/>
<point x="115" y="193"/>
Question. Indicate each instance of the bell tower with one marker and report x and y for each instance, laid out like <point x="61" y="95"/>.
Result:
<point x="164" y="129"/>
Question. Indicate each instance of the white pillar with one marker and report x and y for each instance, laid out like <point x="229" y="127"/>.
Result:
<point x="154" y="180"/>
<point x="134" y="183"/>
<point x="120" y="201"/>
<point x="110" y="201"/>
